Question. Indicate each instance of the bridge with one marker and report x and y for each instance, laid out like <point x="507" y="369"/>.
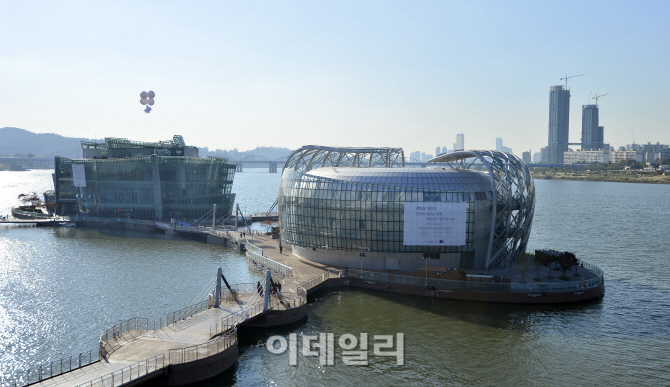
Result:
<point x="254" y="161"/>
<point x="23" y="163"/>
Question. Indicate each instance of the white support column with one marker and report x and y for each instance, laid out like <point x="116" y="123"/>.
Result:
<point x="237" y="211"/>
<point x="217" y="294"/>
<point x="266" y="303"/>
<point x="214" y="217"/>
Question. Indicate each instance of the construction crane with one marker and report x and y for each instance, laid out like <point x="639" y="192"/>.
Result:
<point x="599" y="96"/>
<point x="568" y="77"/>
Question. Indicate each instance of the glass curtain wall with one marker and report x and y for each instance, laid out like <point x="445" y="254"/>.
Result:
<point x="326" y="213"/>
<point x="150" y="188"/>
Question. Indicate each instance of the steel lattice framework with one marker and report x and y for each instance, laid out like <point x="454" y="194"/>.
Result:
<point x="513" y="202"/>
<point x="313" y="156"/>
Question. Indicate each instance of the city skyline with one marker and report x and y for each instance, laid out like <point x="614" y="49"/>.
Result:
<point x="238" y="75"/>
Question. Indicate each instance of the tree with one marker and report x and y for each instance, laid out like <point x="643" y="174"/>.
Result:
<point x="537" y="261"/>
<point x="566" y="261"/>
<point x="547" y="261"/>
<point x="268" y="225"/>
<point x="31" y="199"/>
<point x="51" y="206"/>
<point x="524" y="261"/>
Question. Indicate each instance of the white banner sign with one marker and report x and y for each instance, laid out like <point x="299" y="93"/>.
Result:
<point x="79" y="175"/>
<point x="434" y="224"/>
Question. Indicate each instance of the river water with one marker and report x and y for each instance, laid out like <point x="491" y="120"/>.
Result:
<point x="59" y="288"/>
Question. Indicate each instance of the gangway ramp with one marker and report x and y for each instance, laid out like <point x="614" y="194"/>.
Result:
<point x="186" y="346"/>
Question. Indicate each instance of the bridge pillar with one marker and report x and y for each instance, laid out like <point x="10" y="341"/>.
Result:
<point x="266" y="303"/>
<point x="219" y="274"/>
<point x="273" y="167"/>
<point x="238" y="167"/>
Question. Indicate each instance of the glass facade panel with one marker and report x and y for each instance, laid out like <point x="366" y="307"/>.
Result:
<point x="148" y="187"/>
<point x="371" y="219"/>
<point x="348" y="205"/>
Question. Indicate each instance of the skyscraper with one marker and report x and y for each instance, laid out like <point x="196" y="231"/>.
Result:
<point x="559" y="123"/>
<point x="592" y="134"/>
<point x="460" y="142"/>
<point x="544" y="155"/>
<point x="500" y="147"/>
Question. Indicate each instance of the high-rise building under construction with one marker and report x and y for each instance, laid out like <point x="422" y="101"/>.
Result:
<point x="592" y="133"/>
<point x="559" y="123"/>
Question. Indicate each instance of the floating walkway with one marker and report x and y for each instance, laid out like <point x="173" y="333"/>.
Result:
<point x="200" y="341"/>
<point x="189" y="345"/>
<point x="266" y="254"/>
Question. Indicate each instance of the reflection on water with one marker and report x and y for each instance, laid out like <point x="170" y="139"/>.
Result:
<point x="59" y="288"/>
<point x="455" y="342"/>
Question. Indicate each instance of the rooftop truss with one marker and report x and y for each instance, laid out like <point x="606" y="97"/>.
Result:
<point x="313" y="156"/>
<point x="176" y="142"/>
<point x="513" y="200"/>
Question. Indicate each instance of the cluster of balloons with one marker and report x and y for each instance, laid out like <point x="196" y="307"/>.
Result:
<point x="147" y="99"/>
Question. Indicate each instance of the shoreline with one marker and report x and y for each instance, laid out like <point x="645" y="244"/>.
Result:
<point x="608" y="177"/>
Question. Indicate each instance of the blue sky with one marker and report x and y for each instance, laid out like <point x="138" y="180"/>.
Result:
<point x="241" y="74"/>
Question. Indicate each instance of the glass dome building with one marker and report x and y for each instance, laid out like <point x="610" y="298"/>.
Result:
<point x="363" y="207"/>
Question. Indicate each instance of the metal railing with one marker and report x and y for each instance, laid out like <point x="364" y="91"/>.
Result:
<point x="109" y="339"/>
<point x="284" y="270"/>
<point x="189" y="311"/>
<point x="51" y="369"/>
<point x="129" y="330"/>
<point x="292" y="300"/>
<point x="289" y="300"/>
<point x="201" y="351"/>
<point x="238" y="290"/>
<point x="252" y="248"/>
<point x="255" y="254"/>
<point x="319" y="279"/>
<point x="472" y="285"/>
<point x="232" y="320"/>
<point x="129" y="373"/>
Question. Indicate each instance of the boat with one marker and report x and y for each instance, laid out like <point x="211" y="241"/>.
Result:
<point x="67" y="224"/>
<point x="30" y="212"/>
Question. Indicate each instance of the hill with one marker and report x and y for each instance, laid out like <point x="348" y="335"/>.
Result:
<point x="19" y="142"/>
